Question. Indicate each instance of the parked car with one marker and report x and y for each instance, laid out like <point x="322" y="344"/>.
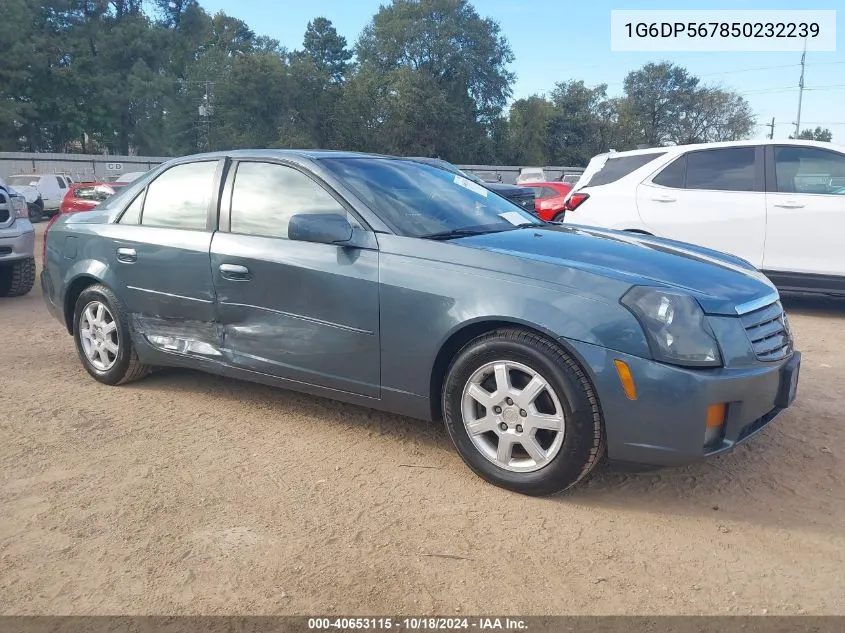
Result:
<point x="43" y="192"/>
<point x="773" y="203"/>
<point x="17" y="244"/>
<point x="570" y="179"/>
<point x="531" y="174"/>
<point x="548" y="199"/>
<point x="391" y="284"/>
<point x="84" y="196"/>
<point x="518" y="195"/>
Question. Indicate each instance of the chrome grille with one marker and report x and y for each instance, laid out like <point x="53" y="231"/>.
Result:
<point x="5" y="208"/>
<point x="768" y="331"/>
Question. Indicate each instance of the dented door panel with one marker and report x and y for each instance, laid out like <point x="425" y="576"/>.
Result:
<point x="298" y="310"/>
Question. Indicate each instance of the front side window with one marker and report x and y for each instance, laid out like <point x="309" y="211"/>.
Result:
<point x="132" y="215"/>
<point x="423" y="201"/>
<point x="179" y="197"/>
<point x="809" y="170"/>
<point x="728" y="169"/>
<point x="266" y="195"/>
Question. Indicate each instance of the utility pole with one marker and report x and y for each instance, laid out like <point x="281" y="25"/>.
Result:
<point x="204" y="124"/>
<point x="771" y="126"/>
<point x="800" y="90"/>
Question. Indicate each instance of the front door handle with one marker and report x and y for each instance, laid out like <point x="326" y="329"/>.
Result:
<point x="789" y="204"/>
<point x="664" y="199"/>
<point x="234" y="272"/>
<point x="127" y="255"/>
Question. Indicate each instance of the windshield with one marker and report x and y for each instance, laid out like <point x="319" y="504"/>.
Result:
<point x="419" y="200"/>
<point x="23" y="181"/>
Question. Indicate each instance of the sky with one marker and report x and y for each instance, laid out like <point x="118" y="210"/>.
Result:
<point x="555" y="40"/>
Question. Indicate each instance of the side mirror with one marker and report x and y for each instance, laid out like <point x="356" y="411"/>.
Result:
<point x="323" y="228"/>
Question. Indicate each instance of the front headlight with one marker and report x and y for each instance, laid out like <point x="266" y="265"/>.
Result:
<point x="675" y="325"/>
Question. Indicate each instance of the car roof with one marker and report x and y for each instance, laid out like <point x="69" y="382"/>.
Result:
<point x="313" y="154"/>
<point x="676" y="149"/>
<point x="544" y="183"/>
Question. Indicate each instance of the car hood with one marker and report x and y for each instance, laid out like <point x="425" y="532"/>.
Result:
<point x="719" y="281"/>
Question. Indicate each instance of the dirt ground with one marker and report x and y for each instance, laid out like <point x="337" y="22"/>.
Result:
<point x="189" y="494"/>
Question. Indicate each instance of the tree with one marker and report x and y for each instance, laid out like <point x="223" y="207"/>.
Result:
<point x="529" y="131"/>
<point x="326" y="48"/>
<point x="665" y="104"/>
<point x="819" y="134"/>
<point x="461" y="59"/>
<point x="657" y="94"/>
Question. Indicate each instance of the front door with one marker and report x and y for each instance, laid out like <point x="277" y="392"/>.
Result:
<point x="806" y="211"/>
<point x="297" y="310"/>
<point x="713" y="198"/>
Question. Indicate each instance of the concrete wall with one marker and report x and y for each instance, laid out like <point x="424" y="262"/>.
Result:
<point x="98" y="167"/>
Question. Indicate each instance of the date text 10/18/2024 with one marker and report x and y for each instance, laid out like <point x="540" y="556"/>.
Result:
<point x="418" y="624"/>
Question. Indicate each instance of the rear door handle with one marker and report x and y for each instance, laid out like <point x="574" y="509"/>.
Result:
<point x="664" y="199"/>
<point x="127" y="255"/>
<point x="789" y="204"/>
<point x="234" y="272"/>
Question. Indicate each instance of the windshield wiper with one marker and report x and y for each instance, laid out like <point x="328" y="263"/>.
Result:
<point x="467" y="232"/>
<point x="453" y="233"/>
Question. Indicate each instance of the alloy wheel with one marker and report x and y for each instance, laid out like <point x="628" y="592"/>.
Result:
<point x="513" y="416"/>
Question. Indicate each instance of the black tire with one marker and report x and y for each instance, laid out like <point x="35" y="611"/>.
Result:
<point x="126" y="367"/>
<point x="17" y="278"/>
<point x="583" y="441"/>
<point x="559" y="217"/>
<point x="36" y="213"/>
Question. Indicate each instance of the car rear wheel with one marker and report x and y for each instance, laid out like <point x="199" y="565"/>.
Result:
<point x="559" y="217"/>
<point x="101" y="333"/>
<point x="17" y="278"/>
<point x="522" y="413"/>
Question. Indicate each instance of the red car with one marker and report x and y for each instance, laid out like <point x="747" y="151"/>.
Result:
<point x="84" y="196"/>
<point x="548" y="198"/>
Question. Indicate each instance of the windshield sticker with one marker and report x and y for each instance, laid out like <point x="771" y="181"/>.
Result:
<point x="466" y="183"/>
<point x="513" y="217"/>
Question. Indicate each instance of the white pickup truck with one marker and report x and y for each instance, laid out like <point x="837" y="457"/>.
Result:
<point x="43" y="192"/>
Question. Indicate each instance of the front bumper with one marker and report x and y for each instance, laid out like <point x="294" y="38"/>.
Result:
<point x="666" y="424"/>
<point x="17" y="241"/>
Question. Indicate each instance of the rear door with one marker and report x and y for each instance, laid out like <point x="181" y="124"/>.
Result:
<point x="159" y="252"/>
<point x="711" y="197"/>
<point x="297" y="310"/>
<point x="805" y="203"/>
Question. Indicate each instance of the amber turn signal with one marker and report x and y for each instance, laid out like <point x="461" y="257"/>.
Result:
<point x="626" y="379"/>
<point x="716" y="415"/>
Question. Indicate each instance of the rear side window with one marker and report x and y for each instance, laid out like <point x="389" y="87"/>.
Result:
<point x="673" y="175"/>
<point x="96" y="194"/>
<point x="179" y="197"/>
<point x="61" y="182"/>
<point x="729" y="169"/>
<point x="616" y="168"/>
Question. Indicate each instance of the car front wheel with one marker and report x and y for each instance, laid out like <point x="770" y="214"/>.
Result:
<point x="522" y="413"/>
<point x="101" y="333"/>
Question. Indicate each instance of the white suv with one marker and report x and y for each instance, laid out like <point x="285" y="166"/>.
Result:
<point x="778" y="204"/>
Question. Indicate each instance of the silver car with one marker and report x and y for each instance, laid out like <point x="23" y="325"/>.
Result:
<point x="17" y="244"/>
